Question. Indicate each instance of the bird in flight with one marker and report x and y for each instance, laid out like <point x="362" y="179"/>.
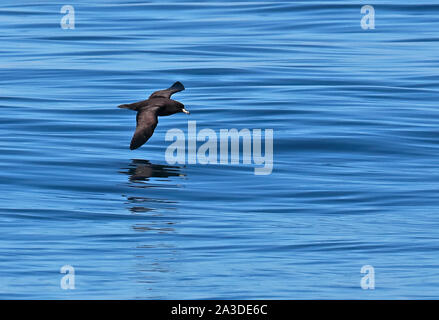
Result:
<point x="158" y="104"/>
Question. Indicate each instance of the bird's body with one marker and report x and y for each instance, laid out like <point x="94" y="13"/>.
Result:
<point x="158" y="104"/>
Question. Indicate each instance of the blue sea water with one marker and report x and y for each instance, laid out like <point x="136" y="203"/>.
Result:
<point x="356" y="142"/>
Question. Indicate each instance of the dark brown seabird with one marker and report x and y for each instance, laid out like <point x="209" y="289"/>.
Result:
<point x="158" y="104"/>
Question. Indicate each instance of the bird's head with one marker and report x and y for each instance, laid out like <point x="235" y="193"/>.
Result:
<point x="171" y="108"/>
<point x="182" y="109"/>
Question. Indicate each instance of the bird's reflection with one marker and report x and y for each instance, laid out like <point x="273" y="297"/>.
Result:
<point x="143" y="174"/>
<point x="143" y="170"/>
<point x="148" y="197"/>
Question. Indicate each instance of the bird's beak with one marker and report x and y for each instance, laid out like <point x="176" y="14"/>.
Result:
<point x="185" y="111"/>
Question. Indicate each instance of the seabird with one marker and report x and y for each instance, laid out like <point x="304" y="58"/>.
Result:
<point x="158" y="104"/>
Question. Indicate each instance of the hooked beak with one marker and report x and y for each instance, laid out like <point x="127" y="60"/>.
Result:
<point x="185" y="111"/>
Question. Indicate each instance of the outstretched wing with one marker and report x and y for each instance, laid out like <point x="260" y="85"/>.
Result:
<point x="167" y="93"/>
<point x="146" y="123"/>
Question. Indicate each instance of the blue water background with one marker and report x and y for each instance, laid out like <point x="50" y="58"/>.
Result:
<point x="356" y="144"/>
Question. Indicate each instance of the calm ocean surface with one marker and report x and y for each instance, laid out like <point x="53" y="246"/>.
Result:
<point x="355" y="179"/>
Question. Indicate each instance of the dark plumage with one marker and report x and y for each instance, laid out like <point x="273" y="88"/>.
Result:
<point x="158" y="104"/>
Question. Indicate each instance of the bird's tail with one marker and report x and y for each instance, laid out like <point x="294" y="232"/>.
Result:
<point x="132" y="106"/>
